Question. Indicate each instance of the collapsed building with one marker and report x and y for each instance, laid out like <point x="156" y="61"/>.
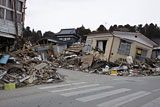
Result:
<point x="111" y="46"/>
<point x="112" y="53"/>
<point x="11" y="21"/>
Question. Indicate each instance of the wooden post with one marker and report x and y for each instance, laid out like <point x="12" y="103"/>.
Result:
<point x="111" y="49"/>
<point x="23" y="15"/>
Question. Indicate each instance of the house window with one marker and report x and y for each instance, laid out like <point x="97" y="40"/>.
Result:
<point x="141" y="54"/>
<point x="3" y="2"/>
<point x="68" y="38"/>
<point x="10" y="4"/>
<point x="9" y="15"/>
<point x="19" y="5"/>
<point x="1" y="13"/>
<point x="19" y="18"/>
<point x="124" y="47"/>
<point x="101" y="45"/>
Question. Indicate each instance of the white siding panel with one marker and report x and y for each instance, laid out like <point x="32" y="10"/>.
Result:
<point x="9" y="27"/>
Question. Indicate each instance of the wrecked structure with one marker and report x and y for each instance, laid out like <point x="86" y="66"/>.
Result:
<point x="73" y="58"/>
<point x="111" y="46"/>
<point x="112" y="53"/>
<point x="50" y="46"/>
<point x="26" y="67"/>
<point x="21" y="63"/>
<point x="11" y="21"/>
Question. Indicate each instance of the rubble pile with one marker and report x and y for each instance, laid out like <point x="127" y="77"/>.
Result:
<point x="76" y="60"/>
<point x="70" y="58"/>
<point x="25" y="68"/>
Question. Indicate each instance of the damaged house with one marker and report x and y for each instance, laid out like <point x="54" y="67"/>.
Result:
<point x="68" y="35"/>
<point x="111" y="46"/>
<point x="55" y="46"/>
<point x="11" y="22"/>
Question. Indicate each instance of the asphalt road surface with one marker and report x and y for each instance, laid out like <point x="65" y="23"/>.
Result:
<point x="87" y="90"/>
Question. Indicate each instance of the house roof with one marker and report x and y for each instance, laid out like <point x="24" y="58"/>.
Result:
<point x="138" y="37"/>
<point x="67" y="31"/>
<point x="71" y="31"/>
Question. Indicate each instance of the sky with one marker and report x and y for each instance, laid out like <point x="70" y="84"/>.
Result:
<point x="53" y="15"/>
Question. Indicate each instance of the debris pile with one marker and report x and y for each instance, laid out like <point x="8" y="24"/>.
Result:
<point x="23" y="67"/>
<point x="74" y="59"/>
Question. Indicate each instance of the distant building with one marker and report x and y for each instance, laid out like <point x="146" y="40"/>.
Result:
<point x="8" y="22"/>
<point x="115" y="45"/>
<point x="68" y="35"/>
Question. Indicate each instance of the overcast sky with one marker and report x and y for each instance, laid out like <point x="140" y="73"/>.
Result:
<point x="53" y="15"/>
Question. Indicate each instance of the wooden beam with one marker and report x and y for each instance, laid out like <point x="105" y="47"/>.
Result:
<point x="23" y="15"/>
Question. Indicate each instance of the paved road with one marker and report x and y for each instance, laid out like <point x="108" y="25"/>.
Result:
<point x="87" y="90"/>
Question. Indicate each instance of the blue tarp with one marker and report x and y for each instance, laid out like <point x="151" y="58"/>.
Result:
<point x="4" y="59"/>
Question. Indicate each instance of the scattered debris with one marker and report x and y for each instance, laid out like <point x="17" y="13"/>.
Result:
<point x="28" y="66"/>
<point x="23" y="67"/>
<point x="76" y="60"/>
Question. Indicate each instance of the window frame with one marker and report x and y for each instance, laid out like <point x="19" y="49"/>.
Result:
<point x="11" y="17"/>
<point x="10" y="4"/>
<point x="2" y="15"/>
<point x="143" y="55"/>
<point x="9" y="12"/>
<point x="19" y="6"/>
<point x="124" y="47"/>
<point x="103" y="45"/>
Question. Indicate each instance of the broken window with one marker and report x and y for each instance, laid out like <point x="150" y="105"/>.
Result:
<point x="10" y="4"/>
<point x="3" y="2"/>
<point x="101" y="45"/>
<point x="1" y="13"/>
<point x="88" y="46"/>
<point x="124" y="47"/>
<point x="141" y="54"/>
<point x="9" y="15"/>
